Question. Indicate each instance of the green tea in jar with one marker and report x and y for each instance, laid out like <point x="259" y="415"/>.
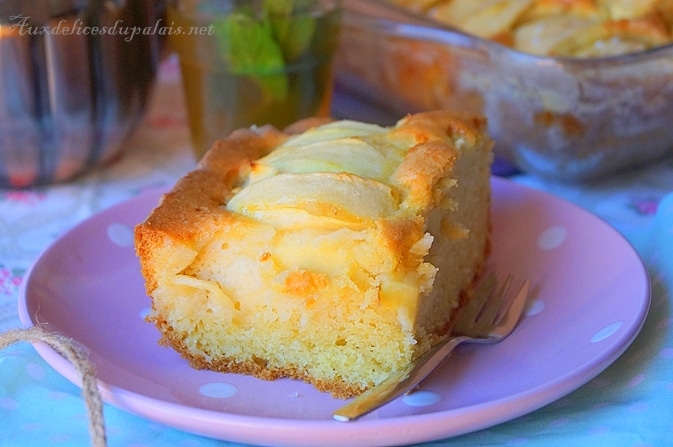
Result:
<point x="253" y="62"/>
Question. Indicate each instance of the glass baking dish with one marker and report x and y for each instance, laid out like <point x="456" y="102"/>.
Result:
<point x="564" y="118"/>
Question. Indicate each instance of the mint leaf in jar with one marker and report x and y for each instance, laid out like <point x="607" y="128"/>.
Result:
<point x="249" y="48"/>
<point x="293" y="26"/>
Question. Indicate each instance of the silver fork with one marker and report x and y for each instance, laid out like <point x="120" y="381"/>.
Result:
<point x="490" y="316"/>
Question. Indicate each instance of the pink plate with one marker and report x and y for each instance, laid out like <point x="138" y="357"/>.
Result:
<point x="590" y="297"/>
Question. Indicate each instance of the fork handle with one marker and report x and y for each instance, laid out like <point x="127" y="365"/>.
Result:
<point x="398" y="383"/>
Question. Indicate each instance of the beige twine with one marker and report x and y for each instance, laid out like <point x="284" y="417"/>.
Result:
<point x="69" y="349"/>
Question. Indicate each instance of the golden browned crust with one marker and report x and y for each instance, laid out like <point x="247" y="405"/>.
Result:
<point x="256" y="367"/>
<point x="195" y="202"/>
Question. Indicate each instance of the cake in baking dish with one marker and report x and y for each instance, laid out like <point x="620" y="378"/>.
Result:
<point x="331" y="252"/>
<point x="566" y="28"/>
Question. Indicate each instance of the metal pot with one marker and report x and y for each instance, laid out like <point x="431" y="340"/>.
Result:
<point x="75" y="76"/>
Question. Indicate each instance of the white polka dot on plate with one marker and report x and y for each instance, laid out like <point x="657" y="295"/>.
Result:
<point x="606" y="332"/>
<point x="421" y="398"/>
<point x="120" y="234"/>
<point x="218" y="390"/>
<point x="552" y="237"/>
<point x="534" y="307"/>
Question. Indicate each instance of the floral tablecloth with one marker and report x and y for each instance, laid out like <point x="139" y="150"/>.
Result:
<point x="629" y="404"/>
